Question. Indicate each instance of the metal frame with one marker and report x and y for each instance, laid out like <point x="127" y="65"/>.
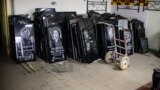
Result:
<point x="116" y="54"/>
<point x="153" y="5"/>
<point x="129" y="7"/>
<point x="95" y="5"/>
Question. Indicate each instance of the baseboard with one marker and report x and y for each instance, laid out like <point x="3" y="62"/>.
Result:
<point x="153" y="51"/>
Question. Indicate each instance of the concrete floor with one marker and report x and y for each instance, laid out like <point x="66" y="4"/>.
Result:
<point x="77" y="76"/>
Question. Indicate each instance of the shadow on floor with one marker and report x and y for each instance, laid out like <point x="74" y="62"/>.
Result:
<point x="146" y="87"/>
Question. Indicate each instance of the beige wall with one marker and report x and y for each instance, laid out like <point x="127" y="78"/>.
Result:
<point x="28" y="6"/>
<point x="151" y="20"/>
<point x="9" y="10"/>
<point x="4" y="25"/>
<point x="131" y="14"/>
<point x="153" y="29"/>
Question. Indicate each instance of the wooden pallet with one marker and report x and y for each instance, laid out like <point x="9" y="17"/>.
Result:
<point x="28" y="67"/>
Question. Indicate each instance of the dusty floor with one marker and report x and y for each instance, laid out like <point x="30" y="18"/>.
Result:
<point x="77" y="76"/>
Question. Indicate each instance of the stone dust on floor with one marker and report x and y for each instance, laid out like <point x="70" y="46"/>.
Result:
<point x="73" y="75"/>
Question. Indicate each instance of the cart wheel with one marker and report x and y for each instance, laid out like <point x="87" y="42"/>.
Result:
<point x="108" y="57"/>
<point x="124" y="63"/>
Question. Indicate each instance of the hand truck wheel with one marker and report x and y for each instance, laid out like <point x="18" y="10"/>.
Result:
<point x="108" y="57"/>
<point x="124" y="63"/>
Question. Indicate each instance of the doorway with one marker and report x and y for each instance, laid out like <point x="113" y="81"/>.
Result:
<point x="4" y="26"/>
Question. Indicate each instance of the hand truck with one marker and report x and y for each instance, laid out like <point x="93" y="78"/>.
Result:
<point x="116" y="55"/>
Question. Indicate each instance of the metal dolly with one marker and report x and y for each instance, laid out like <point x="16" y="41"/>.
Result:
<point x="116" y="55"/>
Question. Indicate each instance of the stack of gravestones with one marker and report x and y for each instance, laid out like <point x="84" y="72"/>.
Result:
<point x="68" y="17"/>
<point x="85" y="40"/>
<point x="109" y="27"/>
<point x="22" y="39"/>
<point x="50" y="38"/>
<point x="124" y="32"/>
<point x="140" y="41"/>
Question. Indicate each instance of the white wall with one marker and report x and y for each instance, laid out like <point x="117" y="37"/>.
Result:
<point x="153" y="29"/>
<point x="151" y="21"/>
<point x="150" y="18"/>
<point x="28" y="6"/>
<point x="130" y="13"/>
<point x="109" y="6"/>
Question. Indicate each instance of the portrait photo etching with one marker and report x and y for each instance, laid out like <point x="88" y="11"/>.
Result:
<point x="27" y="42"/>
<point x="110" y="35"/>
<point x="27" y="38"/>
<point x="55" y="42"/>
<point x="55" y="37"/>
<point x="87" y="40"/>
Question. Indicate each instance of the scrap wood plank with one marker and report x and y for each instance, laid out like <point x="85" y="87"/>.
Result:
<point x="31" y="66"/>
<point x="26" y="67"/>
